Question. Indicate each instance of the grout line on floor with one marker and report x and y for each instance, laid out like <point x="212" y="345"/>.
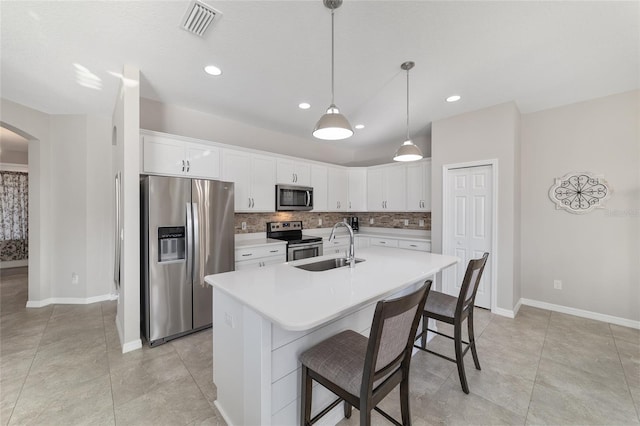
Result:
<point x="535" y="379"/>
<point x="104" y="332"/>
<point x="624" y="373"/>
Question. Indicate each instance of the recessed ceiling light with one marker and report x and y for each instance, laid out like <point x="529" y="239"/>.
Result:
<point x="213" y="70"/>
<point x="359" y="126"/>
<point x="304" y="105"/>
<point x="453" y="98"/>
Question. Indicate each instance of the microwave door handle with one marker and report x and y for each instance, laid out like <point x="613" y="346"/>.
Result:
<point x="308" y="203"/>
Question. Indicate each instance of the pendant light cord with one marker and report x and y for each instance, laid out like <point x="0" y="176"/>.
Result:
<point x="407" y="104"/>
<point x="332" y="66"/>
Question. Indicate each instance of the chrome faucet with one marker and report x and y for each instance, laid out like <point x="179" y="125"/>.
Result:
<point x="352" y="252"/>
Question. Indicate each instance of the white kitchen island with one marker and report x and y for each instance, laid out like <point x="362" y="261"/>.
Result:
<point x="264" y="318"/>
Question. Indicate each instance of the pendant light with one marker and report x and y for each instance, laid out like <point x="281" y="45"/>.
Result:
<point x="408" y="151"/>
<point x="332" y="125"/>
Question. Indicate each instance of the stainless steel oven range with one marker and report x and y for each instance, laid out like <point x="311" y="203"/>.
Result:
<point x="299" y="246"/>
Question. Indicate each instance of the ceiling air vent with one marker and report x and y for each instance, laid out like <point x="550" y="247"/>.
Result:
<point x="199" y="17"/>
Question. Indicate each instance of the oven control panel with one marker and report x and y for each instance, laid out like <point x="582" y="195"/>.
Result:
<point x="285" y="226"/>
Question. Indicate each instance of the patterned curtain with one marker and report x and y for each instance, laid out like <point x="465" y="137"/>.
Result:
<point x="14" y="215"/>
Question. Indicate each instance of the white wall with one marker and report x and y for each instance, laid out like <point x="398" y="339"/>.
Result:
<point x="99" y="208"/>
<point x="14" y="157"/>
<point x="126" y="154"/>
<point x="69" y="170"/>
<point x="68" y="187"/>
<point x="187" y="122"/>
<point x="596" y="255"/>
<point x="34" y="126"/>
<point x="490" y="133"/>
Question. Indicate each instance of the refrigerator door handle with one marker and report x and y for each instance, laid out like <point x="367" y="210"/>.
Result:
<point x="189" y="243"/>
<point x="197" y="274"/>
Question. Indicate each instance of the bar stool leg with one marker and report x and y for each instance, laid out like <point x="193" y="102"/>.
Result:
<point x="404" y="402"/>
<point x="472" y="340"/>
<point x="347" y="410"/>
<point x="305" y="398"/>
<point x="459" y="357"/>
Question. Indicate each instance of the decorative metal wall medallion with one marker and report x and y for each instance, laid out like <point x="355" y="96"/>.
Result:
<point x="579" y="192"/>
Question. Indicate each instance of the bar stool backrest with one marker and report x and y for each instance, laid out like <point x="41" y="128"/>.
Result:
<point x="470" y="283"/>
<point x="392" y="333"/>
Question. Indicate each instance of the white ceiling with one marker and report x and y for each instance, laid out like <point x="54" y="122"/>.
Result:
<point x="275" y="54"/>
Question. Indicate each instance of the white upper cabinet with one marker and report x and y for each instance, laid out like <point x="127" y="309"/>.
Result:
<point x="167" y="156"/>
<point x="254" y="177"/>
<point x="338" y="189"/>
<point x="419" y="186"/>
<point x="357" y="189"/>
<point x="386" y="188"/>
<point x="294" y="172"/>
<point x="319" y="184"/>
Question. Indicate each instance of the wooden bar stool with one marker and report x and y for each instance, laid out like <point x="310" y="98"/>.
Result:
<point x="454" y="310"/>
<point x="361" y="371"/>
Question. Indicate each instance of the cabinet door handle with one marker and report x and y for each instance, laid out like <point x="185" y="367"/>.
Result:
<point x="273" y="251"/>
<point x="349" y="204"/>
<point x="183" y="165"/>
<point x="253" y="203"/>
<point x="188" y="165"/>
<point x="249" y="203"/>
<point x="382" y="242"/>
<point x="412" y="245"/>
<point x="247" y="254"/>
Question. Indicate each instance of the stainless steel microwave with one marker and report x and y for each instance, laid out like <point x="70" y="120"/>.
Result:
<point x="293" y="197"/>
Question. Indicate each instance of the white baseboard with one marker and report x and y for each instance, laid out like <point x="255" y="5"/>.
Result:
<point x="581" y="313"/>
<point x="131" y="346"/>
<point x="14" y="263"/>
<point x="128" y="346"/>
<point x="68" y="301"/>
<point x="504" y="312"/>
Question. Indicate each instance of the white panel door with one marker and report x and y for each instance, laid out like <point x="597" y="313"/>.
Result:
<point x="468" y="233"/>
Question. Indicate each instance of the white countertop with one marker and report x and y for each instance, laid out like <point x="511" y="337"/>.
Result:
<point x="296" y="299"/>
<point x="256" y="242"/>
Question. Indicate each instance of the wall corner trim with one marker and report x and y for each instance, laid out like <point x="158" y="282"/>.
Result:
<point x="581" y="313"/>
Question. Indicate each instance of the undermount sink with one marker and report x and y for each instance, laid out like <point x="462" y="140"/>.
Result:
<point x="325" y="265"/>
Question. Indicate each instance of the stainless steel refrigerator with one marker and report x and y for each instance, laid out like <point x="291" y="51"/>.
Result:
<point x="187" y="229"/>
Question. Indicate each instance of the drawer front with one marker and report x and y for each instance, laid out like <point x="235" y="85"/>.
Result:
<point x="384" y="242"/>
<point x="415" y="245"/>
<point x="258" y="252"/>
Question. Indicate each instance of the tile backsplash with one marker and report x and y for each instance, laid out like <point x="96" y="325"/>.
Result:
<point x="257" y="222"/>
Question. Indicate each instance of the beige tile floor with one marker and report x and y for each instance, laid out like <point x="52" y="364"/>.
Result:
<point x="61" y="365"/>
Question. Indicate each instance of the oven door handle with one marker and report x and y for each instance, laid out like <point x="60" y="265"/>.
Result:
<point x="305" y="245"/>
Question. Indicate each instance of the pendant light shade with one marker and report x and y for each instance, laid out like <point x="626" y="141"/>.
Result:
<point x="332" y="125"/>
<point x="408" y="151"/>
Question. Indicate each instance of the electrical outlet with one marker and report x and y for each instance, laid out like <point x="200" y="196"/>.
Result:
<point x="557" y="284"/>
<point x="421" y="222"/>
<point x="228" y="319"/>
<point x="244" y="226"/>
<point x="74" y="278"/>
<point x="406" y="222"/>
<point x="371" y="221"/>
<point x="319" y="222"/>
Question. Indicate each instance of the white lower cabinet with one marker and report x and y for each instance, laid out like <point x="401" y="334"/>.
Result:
<point x="384" y="242"/>
<point x="337" y="245"/>
<point x="362" y="242"/>
<point x="260" y="256"/>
